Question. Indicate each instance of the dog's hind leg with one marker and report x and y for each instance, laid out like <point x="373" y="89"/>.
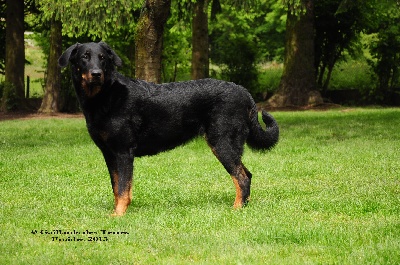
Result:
<point x="242" y="180"/>
<point x="229" y="150"/>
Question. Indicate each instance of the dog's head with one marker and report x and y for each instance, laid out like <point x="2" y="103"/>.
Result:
<point x="92" y="65"/>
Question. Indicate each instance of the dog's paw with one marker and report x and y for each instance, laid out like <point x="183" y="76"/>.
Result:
<point x="117" y="214"/>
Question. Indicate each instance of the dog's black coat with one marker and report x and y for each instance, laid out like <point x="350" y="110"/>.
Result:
<point x="127" y="118"/>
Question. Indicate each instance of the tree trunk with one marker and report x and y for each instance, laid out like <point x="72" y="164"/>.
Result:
<point x="299" y="75"/>
<point x="14" y="92"/>
<point x="321" y="73"/>
<point x="149" y="36"/>
<point x="200" y="66"/>
<point x="328" y="77"/>
<point x="51" y="98"/>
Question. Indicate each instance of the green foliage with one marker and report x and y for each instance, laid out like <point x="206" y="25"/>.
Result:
<point x="317" y="198"/>
<point x="270" y="26"/>
<point x="176" y="48"/>
<point x="123" y="44"/>
<point x="352" y="74"/>
<point x="264" y="24"/>
<point x="242" y="38"/>
<point x="233" y="47"/>
<point x="270" y="77"/>
<point x="236" y="61"/>
<point x="379" y="19"/>
<point x="385" y="50"/>
<point x="94" y="19"/>
<point x="295" y="6"/>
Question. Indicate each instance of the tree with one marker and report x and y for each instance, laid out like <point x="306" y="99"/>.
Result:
<point x="149" y="39"/>
<point x="14" y="90"/>
<point x="50" y="102"/>
<point x="196" y="14"/>
<point x="200" y="64"/>
<point x="299" y="75"/>
<point x="336" y="31"/>
<point x="339" y="23"/>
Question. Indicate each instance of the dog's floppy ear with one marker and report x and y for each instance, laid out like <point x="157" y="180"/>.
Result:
<point x="115" y="58"/>
<point x="64" y="58"/>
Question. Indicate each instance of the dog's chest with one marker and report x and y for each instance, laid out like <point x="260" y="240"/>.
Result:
<point x="113" y="128"/>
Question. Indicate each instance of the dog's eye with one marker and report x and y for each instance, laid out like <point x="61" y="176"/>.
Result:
<point x="101" y="57"/>
<point x="84" y="56"/>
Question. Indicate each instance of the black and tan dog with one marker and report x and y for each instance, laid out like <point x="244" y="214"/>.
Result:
<point x="127" y="118"/>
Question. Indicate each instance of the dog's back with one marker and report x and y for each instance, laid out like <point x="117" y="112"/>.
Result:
<point x="173" y="113"/>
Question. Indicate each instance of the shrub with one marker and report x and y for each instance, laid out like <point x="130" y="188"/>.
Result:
<point x="236" y="61"/>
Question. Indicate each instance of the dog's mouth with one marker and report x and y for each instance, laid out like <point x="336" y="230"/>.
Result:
<point x="92" y="84"/>
<point x="96" y="81"/>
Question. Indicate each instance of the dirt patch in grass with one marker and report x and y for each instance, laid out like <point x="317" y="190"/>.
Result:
<point x="21" y="115"/>
<point x="319" y="107"/>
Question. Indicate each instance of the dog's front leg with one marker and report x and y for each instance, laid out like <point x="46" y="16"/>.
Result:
<point x="120" y="167"/>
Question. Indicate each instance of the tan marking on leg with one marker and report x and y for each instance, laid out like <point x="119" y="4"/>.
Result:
<point x="239" y="199"/>
<point x="122" y="201"/>
<point x="240" y="176"/>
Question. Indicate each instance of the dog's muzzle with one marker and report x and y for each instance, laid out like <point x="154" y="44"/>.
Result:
<point x="92" y="82"/>
<point x="96" y="77"/>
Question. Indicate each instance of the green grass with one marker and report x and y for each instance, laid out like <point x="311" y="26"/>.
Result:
<point x="329" y="193"/>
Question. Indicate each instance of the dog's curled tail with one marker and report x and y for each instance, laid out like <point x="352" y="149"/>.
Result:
<point x="259" y="138"/>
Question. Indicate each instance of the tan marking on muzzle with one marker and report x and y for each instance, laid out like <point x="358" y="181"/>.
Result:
<point x="86" y="79"/>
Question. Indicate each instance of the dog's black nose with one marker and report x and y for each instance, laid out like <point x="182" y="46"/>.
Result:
<point x="96" y="73"/>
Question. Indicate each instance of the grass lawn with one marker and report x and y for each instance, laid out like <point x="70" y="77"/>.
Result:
<point x="329" y="193"/>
